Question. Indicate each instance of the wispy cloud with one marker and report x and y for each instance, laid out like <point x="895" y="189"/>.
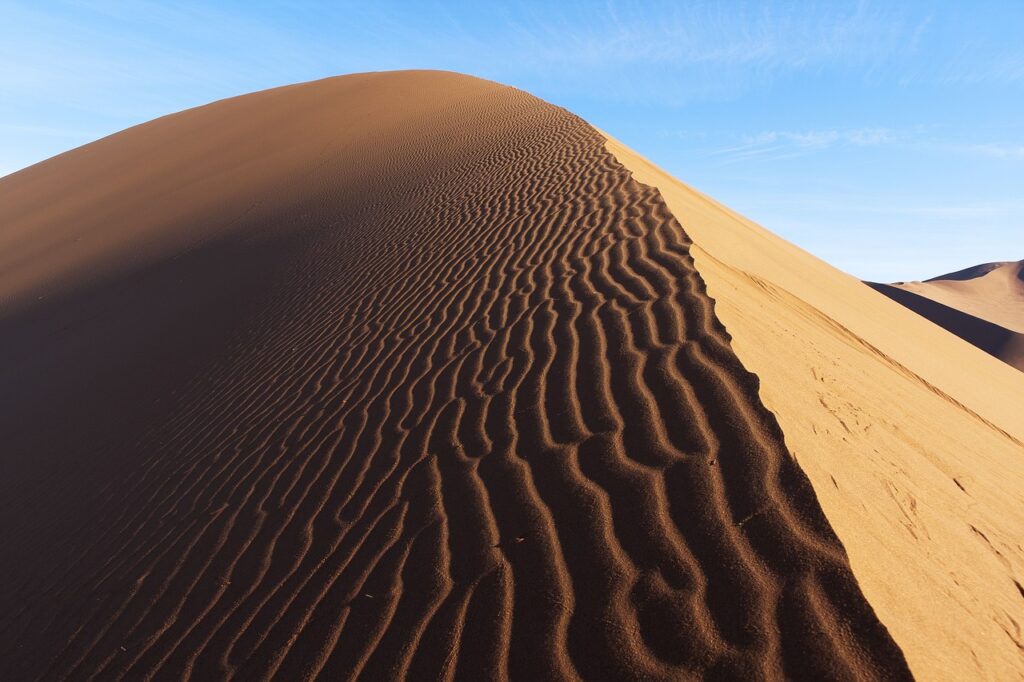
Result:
<point x="989" y="150"/>
<point x="784" y="144"/>
<point x="791" y="35"/>
<point x="976" y="63"/>
<point x="773" y="145"/>
<point x="708" y="50"/>
<point x="820" y="139"/>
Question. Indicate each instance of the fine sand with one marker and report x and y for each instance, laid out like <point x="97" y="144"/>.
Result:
<point x="405" y="375"/>
<point x="913" y="439"/>
<point x="983" y="305"/>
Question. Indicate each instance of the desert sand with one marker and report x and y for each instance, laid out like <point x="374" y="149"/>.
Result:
<point x="414" y="375"/>
<point x="983" y="305"/>
<point x="911" y="437"/>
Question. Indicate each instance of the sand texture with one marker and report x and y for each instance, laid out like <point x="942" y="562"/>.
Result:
<point x="404" y="375"/>
<point x="983" y="305"/>
<point x="911" y="437"/>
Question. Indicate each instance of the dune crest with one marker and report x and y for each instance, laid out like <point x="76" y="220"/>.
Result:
<point x="390" y="375"/>
<point x="912" y="439"/>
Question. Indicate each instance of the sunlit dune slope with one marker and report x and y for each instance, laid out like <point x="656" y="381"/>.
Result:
<point x="911" y="437"/>
<point x="403" y="375"/>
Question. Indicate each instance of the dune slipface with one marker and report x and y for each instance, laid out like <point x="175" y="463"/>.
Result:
<point x="394" y="375"/>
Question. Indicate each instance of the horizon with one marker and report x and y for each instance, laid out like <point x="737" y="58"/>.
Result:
<point x="884" y="142"/>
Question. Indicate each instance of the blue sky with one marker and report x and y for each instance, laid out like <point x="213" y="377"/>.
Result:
<point x="886" y="138"/>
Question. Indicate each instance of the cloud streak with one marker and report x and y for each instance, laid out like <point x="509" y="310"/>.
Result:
<point x="773" y="145"/>
<point x="784" y="144"/>
<point x="989" y="150"/>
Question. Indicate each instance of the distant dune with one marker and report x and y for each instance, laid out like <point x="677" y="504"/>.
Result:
<point x="992" y="291"/>
<point x="413" y="375"/>
<point x="983" y="305"/>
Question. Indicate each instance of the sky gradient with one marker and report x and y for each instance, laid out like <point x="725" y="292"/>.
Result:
<point x="887" y="139"/>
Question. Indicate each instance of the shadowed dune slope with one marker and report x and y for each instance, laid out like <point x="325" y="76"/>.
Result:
<point x="912" y="438"/>
<point x="389" y="375"/>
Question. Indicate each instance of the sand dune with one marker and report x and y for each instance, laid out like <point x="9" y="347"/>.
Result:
<point x="911" y="438"/>
<point x="983" y="305"/>
<point x="991" y="291"/>
<point x="407" y="375"/>
<point x="389" y="375"/>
